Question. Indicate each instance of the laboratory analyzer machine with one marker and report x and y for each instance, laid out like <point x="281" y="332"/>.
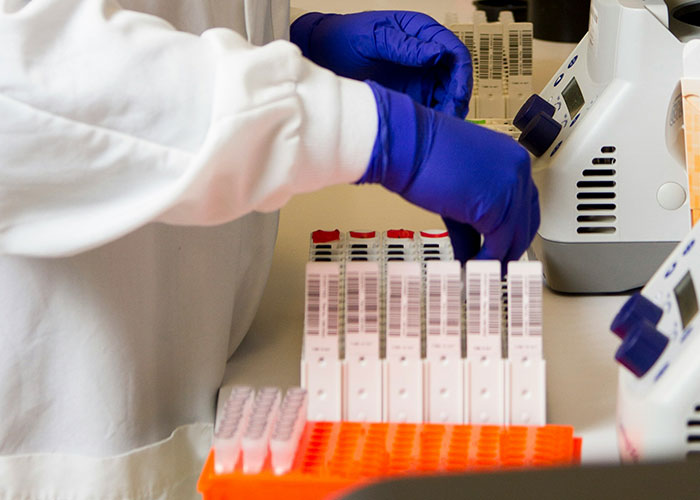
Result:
<point x="608" y="137"/>
<point x="658" y="405"/>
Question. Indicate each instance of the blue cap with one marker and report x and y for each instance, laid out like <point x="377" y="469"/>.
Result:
<point x="530" y="109"/>
<point x="539" y="134"/>
<point x="643" y="345"/>
<point x="637" y="308"/>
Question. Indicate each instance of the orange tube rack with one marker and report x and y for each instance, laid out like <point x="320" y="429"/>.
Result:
<point x="335" y="456"/>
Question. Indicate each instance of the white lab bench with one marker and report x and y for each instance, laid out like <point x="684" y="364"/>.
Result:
<point x="578" y="345"/>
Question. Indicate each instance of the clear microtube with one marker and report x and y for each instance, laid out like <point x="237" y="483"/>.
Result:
<point x="288" y="430"/>
<point x="229" y="428"/>
<point x="257" y="434"/>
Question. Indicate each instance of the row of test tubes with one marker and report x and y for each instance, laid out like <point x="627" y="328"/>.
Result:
<point x="254" y="426"/>
<point x="385" y="336"/>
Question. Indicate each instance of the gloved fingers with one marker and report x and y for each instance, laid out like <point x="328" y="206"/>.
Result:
<point x="521" y="240"/>
<point x="454" y="90"/>
<point x="401" y="48"/>
<point x="466" y="241"/>
<point x="504" y="241"/>
<point x="455" y="78"/>
<point x="524" y="231"/>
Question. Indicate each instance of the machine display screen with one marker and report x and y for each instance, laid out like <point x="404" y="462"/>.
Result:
<point x="686" y="298"/>
<point x="573" y="97"/>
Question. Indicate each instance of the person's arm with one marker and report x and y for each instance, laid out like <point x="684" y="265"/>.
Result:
<point x="112" y="119"/>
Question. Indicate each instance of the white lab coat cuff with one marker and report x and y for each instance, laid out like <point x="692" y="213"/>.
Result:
<point x="353" y="122"/>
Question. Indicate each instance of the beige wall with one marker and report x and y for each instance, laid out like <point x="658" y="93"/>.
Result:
<point x="438" y="9"/>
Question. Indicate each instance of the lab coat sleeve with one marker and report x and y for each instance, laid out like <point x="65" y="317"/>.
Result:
<point x="110" y="119"/>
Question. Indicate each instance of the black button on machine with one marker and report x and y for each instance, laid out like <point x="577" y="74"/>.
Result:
<point x="539" y="128"/>
<point x="642" y="344"/>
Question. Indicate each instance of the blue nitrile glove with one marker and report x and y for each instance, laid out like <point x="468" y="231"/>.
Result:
<point x="467" y="173"/>
<point x="405" y="51"/>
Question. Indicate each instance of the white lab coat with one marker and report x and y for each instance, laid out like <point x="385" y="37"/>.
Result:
<point x="120" y="139"/>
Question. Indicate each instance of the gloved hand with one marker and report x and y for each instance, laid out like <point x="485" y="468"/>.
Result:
<point x="404" y="51"/>
<point x="462" y="171"/>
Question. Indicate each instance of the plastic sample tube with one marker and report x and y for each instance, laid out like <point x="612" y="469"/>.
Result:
<point x="288" y="429"/>
<point x="229" y="429"/>
<point x="257" y="434"/>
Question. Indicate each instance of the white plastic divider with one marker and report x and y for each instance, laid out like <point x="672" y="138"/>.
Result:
<point x="403" y="380"/>
<point x="526" y="368"/>
<point x="363" y="366"/>
<point x="485" y="365"/>
<point x="321" y="370"/>
<point x="444" y="377"/>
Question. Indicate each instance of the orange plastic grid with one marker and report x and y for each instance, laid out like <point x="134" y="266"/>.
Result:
<point x="335" y="456"/>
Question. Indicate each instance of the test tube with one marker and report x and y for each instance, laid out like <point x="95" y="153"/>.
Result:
<point x="287" y="432"/>
<point x="229" y="429"/>
<point x="257" y="435"/>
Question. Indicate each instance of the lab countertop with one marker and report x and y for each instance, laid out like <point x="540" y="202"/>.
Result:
<point x="578" y="346"/>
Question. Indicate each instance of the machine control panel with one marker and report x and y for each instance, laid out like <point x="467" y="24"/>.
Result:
<point x="655" y="325"/>
<point x="547" y="119"/>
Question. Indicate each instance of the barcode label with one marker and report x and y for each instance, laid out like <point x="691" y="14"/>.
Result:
<point x="352" y="302"/>
<point x="525" y="299"/>
<point x="513" y="53"/>
<point x="371" y="303"/>
<point x="403" y="299"/>
<point x="516" y="313"/>
<point x="468" y="39"/>
<point x="497" y="57"/>
<point x="322" y="299"/>
<point x="443" y="300"/>
<point x="484" y="58"/>
<point x="495" y="314"/>
<point x="526" y="51"/>
<point x="333" y="299"/>
<point x="434" y="305"/>
<point x="393" y="305"/>
<point x="484" y="310"/>
<point x="313" y="304"/>
<point x="473" y="303"/>
<point x="484" y="314"/>
<point x="520" y="51"/>
<point x="362" y="298"/>
<point x="412" y="308"/>
<point x="534" y="306"/>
